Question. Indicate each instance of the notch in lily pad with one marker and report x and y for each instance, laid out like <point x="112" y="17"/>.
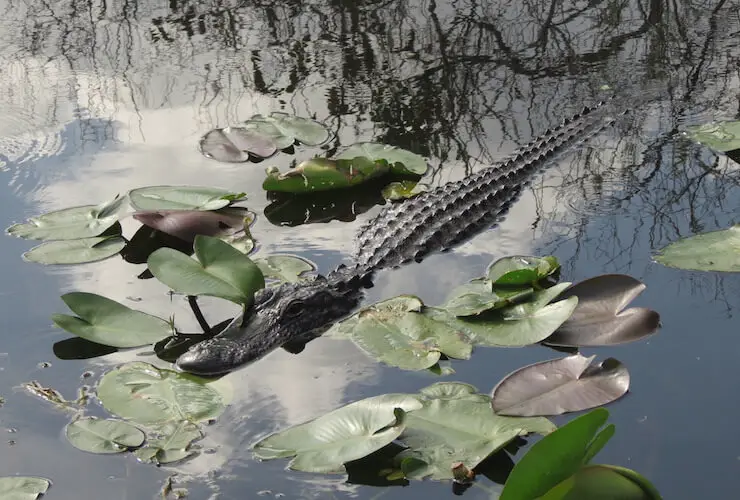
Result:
<point x="521" y="270"/>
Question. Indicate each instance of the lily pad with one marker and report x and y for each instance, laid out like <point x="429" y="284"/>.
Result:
<point x="713" y="251"/>
<point x="601" y="318"/>
<point x="234" y="144"/>
<point x="343" y="435"/>
<point x="478" y="296"/>
<point x="182" y="198"/>
<point x="454" y="390"/>
<point x="394" y="332"/>
<point x="22" y="487"/>
<point x="76" y="251"/>
<point x="187" y="224"/>
<point x="560" y="385"/>
<point x="403" y="190"/>
<point x="401" y="162"/>
<point x="108" y="322"/>
<point x="606" y="482"/>
<point x="284" y="267"/>
<point x="219" y="271"/>
<point x="103" y="436"/>
<point x="514" y="326"/>
<point x="445" y="432"/>
<point x="720" y="136"/>
<point x="520" y="270"/>
<point x="170" y="443"/>
<point x="147" y="395"/>
<point x="290" y="127"/>
<point x="71" y="223"/>
<point x="323" y="174"/>
<point x="561" y="453"/>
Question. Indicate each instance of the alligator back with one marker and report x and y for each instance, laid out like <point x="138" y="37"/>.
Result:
<point x="446" y="216"/>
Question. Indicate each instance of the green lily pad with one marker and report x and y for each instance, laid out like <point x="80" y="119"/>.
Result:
<point x="323" y="174"/>
<point x="713" y="251"/>
<point x="285" y="129"/>
<point x="343" y="435"/>
<point x="103" y="436"/>
<point x="108" y="322"/>
<point x="75" y="251"/>
<point x="479" y="296"/>
<point x="514" y="326"/>
<point x="182" y="198"/>
<point x="22" y="487"/>
<point x="401" y="162"/>
<point x="72" y="223"/>
<point x="561" y="453"/>
<point x="219" y="271"/>
<point x="445" y="432"/>
<point x="284" y="267"/>
<point x="520" y="270"/>
<point x="720" y="136"/>
<point x="607" y="482"/>
<point x="169" y="443"/>
<point x="147" y="395"/>
<point x="394" y="332"/>
<point x="402" y="190"/>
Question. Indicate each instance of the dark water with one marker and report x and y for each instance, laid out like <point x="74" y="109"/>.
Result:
<point x="100" y="97"/>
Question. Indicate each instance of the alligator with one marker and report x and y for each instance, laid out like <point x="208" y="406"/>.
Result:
<point x="436" y="220"/>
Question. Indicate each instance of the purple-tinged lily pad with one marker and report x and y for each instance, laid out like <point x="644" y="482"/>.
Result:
<point x="601" y="318"/>
<point x="559" y="386"/>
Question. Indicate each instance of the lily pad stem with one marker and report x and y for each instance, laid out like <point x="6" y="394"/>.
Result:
<point x="193" y="301"/>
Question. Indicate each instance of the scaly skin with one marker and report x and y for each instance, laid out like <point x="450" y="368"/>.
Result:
<point x="433" y="221"/>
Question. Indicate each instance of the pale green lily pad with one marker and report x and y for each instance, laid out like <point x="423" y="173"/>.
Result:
<point x="291" y="128"/>
<point x="514" y="326"/>
<point x="401" y="162"/>
<point x="720" y="136"/>
<point x="521" y="270"/>
<point x="713" y="251"/>
<point x="75" y="251"/>
<point x="71" y="223"/>
<point x="147" y="395"/>
<point x="394" y="332"/>
<point x="323" y="174"/>
<point x="447" y="431"/>
<point x="454" y="390"/>
<point x="479" y="296"/>
<point x="23" y="487"/>
<point x="219" y="271"/>
<point x="561" y="453"/>
<point x="182" y="198"/>
<point x="284" y="267"/>
<point x="343" y="435"/>
<point x="169" y="443"/>
<point x="108" y="322"/>
<point x="103" y="436"/>
<point x="403" y="190"/>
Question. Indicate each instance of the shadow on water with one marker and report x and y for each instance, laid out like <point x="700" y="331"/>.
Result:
<point x="461" y="83"/>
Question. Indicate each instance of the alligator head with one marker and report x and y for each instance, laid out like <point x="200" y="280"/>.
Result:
<point x="279" y="315"/>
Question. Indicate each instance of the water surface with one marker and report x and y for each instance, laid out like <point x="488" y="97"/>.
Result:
<point x="97" y="98"/>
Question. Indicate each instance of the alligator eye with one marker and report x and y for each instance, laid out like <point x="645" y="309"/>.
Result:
<point x="293" y="309"/>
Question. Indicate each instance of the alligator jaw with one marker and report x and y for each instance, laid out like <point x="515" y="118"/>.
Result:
<point x="231" y="349"/>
